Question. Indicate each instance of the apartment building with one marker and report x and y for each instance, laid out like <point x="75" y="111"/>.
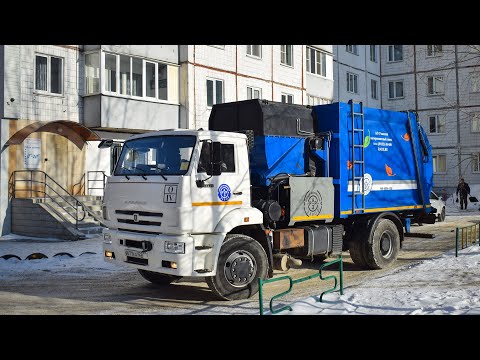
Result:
<point x="211" y="74"/>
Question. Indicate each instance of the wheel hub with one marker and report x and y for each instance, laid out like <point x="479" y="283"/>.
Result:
<point x="386" y="247"/>
<point x="240" y="268"/>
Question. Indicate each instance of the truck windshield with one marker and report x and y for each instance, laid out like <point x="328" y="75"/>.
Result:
<point x="156" y="155"/>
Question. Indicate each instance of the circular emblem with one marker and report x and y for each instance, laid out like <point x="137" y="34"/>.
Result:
<point x="312" y="203"/>
<point x="224" y="192"/>
<point x="367" y="184"/>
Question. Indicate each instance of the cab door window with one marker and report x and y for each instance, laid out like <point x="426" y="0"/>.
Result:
<point x="228" y="156"/>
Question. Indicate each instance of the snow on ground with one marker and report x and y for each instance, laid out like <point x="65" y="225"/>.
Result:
<point x="78" y="265"/>
<point x="443" y="285"/>
<point x="453" y="208"/>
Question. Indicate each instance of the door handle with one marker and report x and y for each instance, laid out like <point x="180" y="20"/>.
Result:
<point x="238" y="193"/>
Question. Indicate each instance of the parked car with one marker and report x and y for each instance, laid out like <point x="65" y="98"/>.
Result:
<point x="439" y="205"/>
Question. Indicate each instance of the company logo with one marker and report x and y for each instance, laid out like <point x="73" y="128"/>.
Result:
<point x="367" y="184"/>
<point x="135" y="217"/>
<point x="224" y="192"/>
<point x="312" y="203"/>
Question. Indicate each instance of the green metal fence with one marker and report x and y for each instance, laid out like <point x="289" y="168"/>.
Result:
<point x="466" y="236"/>
<point x="291" y="282"/>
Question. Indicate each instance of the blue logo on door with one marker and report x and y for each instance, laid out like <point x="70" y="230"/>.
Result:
<point x="224" y="192"/>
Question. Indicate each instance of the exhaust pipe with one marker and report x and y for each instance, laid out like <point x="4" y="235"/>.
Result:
<point x="283" y="262"/>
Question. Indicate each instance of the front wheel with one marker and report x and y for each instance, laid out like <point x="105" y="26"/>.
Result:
<point x="242" y="260"/>
<point x="383" y="245"/>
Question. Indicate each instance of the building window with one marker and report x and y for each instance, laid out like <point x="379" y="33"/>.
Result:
<point x="373" y="53"/>
<point x="434" y="50"/>
<point x="286" y="54"/>
<point x="474" y="82"/>
<point x="49" y="74"/>
<point x="316" y="100"/>
<point x="352" y="49"/>
<point x="395" y="89"/>
<point x="126" y="75"/>
<point x="475" y="123"/>
<point x="254" y="50"/>
<point x="439" y="163"/>
<point x="436" y="85"/>
<point x="436" y="124"/>
<point x="92" y="73"/>
<point x="395" y="53"/>
<point x="287" y="98"/>
<point x="214" y="92"/>
<point x="476" y="163"/>
<point x="316" y="62"/>
<point x="374" y="87"/>
<point x="253" y="93"/>
<point x="352" y="83"/>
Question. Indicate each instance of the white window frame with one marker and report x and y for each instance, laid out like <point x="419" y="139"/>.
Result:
<point x="48" y="91"/>
<point x="100" y="74"/>
<point x="318" y="55"/>
<point x="435" y="161"/>
<point x="253" y="89"/>
<point x="395" y="89"/>
<point x="250" y="47"/>
<point x="434" y="50"/>
<point x="287" y="96"/>
<point x="474" y="82"/>
<point x="352" y="49"/>
<point x="373" y="58"/>
<point x="392" y="59"/>
<point x="374" y="89"/>
<point x="313" y="100"/>
<point x="475" y="119"/>
<point x="438" y="119"/>
<point x="283" y="54"/>
<point x="214" y="91"/>
<point x="435" y="81"/>
<point x="476" y="163"/>
<point x="354" y="77"/>
<point x="117" y="93"/>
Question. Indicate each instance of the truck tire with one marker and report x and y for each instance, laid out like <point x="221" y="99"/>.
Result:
<point x="242" y="260"/>
<point x="358" y="245"/>
<point x="383" y="245"/>
<point x="157" y="278"/>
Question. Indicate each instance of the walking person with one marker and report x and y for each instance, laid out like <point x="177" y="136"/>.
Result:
<point x="464" y="191"/>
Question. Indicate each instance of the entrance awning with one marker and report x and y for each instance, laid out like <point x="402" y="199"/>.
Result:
<point x="73" y="131"/>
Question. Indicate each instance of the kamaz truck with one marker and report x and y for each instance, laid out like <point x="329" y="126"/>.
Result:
<point x="269" y="184"/>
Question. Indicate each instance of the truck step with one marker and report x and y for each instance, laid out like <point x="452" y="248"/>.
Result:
<point x="199" y="248"/>
<point x="359" y="130"/>
<point x="202" y="271"/>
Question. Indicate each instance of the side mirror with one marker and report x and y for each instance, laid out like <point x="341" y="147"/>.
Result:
<point x="105" y="143"/>
<point x="214" y="168"/>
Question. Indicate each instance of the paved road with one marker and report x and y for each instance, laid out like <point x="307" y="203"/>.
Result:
<point x="128" y="293"/>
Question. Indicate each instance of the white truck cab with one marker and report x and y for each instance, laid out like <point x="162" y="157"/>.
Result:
<point x="169" y="209"/>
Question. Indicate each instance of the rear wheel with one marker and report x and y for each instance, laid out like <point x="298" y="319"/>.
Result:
<point x="383" y="245"/>
<point x="241" y="262"/>
<point x="358" y="245"/>
<point x="157" y="278"/>
<point x="441" y="217"/>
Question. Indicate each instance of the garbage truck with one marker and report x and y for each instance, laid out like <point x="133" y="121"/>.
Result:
<point x="267" y="186"/>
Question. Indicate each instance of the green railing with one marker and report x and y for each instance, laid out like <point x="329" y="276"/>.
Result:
<point x="468" y="235"/>
<point x="291" y="281"/>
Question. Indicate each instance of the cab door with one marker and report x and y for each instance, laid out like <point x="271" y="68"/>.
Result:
<point x="218" y="195"/>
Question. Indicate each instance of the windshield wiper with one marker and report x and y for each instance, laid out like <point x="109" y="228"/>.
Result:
<point x="143" y="172"/>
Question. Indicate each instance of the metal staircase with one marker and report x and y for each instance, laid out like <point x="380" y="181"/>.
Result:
<point x="358" y="157"/>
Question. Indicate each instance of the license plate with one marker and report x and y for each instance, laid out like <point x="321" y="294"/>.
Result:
<point x="136" y="254"/>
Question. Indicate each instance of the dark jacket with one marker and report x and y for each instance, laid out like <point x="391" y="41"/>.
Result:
<point x="464" y="189"/>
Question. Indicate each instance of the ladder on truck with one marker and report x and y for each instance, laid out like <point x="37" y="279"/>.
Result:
<point x="358" y="157"/>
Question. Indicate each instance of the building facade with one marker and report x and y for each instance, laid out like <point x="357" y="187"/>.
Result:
<point x="212" y="74"/>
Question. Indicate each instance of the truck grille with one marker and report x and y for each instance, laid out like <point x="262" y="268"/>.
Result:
<point x="137" y="261"/>
<point x="132" y="217"/>
<point x="139" y="222"/>
<point x="141" y="213"/>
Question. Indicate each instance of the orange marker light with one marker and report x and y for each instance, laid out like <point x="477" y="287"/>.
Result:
<point x="246" y="219"/>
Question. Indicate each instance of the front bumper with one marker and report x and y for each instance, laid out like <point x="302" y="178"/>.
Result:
<point x="156" y="258"/>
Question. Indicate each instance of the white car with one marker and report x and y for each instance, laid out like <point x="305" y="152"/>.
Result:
<point x="438" y="204"/>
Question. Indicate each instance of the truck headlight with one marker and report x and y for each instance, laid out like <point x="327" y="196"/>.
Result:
<point x="174" y="247"/>
<point x="107" y="239"/>
<point x="104" y="212"/>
